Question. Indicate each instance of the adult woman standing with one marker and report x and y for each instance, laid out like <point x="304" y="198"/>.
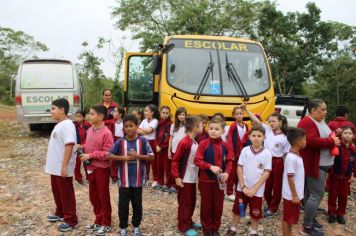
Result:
<point x="108" y="104"/>
<point x="317" y="160"/>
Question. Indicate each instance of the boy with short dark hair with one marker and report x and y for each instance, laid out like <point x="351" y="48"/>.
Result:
<point x="293" y="180"/>
<point x="254" y="166"/>
<point x="185" y="174"/>
<point x="214" y="159"/>
<point x="133" y="152"/>
<point x="96" y="148"/>
<point x="60" y="165"/>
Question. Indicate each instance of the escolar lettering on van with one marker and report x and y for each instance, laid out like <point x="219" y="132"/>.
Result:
<point x="228" y="46"/>
<point x="41" y="99"/>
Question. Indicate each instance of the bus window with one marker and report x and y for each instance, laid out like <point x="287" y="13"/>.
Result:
<point x="140" y="81"/>
<point x="47" y="76"/>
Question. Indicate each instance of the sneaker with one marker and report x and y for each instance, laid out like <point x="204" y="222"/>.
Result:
<point x="172" y="190"/>
<point x="136" y="231"/>
<point x="123" y="232"/>
<point x="230" y="232"/>
<point x="197" y="226"/>
<point x="332" y="219"/>
<point x="154" y="184"/>
<point x="92" y="227"/>
<point x="103" y="230"/>
<point x="164" y="188"/>
<point x="268" y="214"/>
<point x="157" y="187"/>
<point x="145" y="183"/>
<point x="54" y="218"/>
<point x="310" y="232"/>
<point x="317" y="226"/>
<point x="340" y="220"/>
<point x="191" y="232"/>
<point x="64" y="227"/>
<point x="231" y="197"/>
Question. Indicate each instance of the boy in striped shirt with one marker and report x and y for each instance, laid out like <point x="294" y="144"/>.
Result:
<point x="133" y="152"/>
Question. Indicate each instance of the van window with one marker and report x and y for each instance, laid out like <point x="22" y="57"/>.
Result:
<point x="46" y="76"/>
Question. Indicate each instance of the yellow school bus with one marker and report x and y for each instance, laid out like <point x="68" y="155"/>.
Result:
<point x="204" y="74"/>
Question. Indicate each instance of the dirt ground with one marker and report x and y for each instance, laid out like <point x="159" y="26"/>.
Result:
<point x="26" y="198"/>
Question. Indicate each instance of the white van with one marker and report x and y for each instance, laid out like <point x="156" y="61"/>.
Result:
<point x="38" y="83"/>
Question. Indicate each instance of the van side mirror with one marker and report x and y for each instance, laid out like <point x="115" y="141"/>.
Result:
<point x="156" y="64"/>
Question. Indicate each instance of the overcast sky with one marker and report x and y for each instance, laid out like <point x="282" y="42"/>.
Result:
<point x="63" y="25"/>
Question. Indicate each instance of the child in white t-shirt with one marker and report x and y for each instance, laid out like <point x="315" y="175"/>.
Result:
<point x="147" y="129"/>
<point x="293" y="180"/>
<point x="253" y="169"/>
<point x="177" y="133"/>
<point x="60" y="165"/>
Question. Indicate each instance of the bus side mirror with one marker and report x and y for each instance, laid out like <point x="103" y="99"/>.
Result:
<point x="156" y="64"/>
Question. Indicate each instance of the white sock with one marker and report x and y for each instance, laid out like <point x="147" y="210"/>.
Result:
<point x="252" y="231"/>
<point x="233" y="228"/>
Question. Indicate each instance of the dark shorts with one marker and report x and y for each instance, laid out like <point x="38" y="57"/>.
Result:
<point x="291" y="212"/>
<point x="255" y="204"/>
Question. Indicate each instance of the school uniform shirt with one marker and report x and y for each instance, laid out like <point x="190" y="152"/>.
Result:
<point x="81" y="131"/>
<point x="277" y="143"/>
<point x="149" y="124"/>
<point x="132" y="173"/>
<point x="293" y="166"/>
<point x="63" y="134"/>
<point x="235" y="137"/>
<point x="177" y="136"/>
<point x="200" y="137"/>
<point x="162" y="133"/>
<point x="254" y="164"/>
<point x="183" y="161"/>
<point x="345" y="163"/>
<point x="213" y="152"/>
<point x="110" y="110"/>
<point x="119" y="129"/>
<point x="98" y="145"/>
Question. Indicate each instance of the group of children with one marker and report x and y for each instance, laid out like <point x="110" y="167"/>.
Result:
<point x="263" y="161"/>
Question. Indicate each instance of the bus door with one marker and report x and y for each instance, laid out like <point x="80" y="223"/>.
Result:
<point x="140" y="85"/>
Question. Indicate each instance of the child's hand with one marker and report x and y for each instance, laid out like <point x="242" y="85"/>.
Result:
<point x="295" y="200"/>
<point x="158" y="149"/>
<point x="215" y="169"/>
<point x="225" y="176"/>
<point x="179" y="182"/>
<point x="128" y="158"/>
<point x="79" y="146"/>
<point x="169" y="155"/>
<point x="243" y="106"/>
<point x="132" y="153"/>
<point x="251" y="192"/>
<point x="64" y="171"/>
<point x="84" y="157"/>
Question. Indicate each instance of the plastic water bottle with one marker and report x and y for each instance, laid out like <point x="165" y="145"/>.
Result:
<point x="81" y="152"/>
<point x="222" y="184"/>
<point x="242" y="208"/>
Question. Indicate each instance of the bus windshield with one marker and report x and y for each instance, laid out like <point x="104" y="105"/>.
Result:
<point x="188" y="61"/>
<point x="44" y="75"/>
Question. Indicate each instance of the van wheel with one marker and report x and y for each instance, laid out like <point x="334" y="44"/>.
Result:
<point x="34" y="127"/>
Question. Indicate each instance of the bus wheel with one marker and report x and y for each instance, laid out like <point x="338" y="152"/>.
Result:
<point x="34" y="127"/>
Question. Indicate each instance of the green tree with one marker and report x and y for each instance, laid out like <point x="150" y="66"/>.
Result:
<point x="336" y="84"/>
<point x="15" y="46"/>
<point x="299" y="43"/>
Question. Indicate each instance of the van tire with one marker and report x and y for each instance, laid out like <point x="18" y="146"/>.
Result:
<point x="34" y="127"/>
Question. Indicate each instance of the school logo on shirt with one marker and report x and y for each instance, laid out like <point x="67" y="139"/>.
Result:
<point x="277" y="145"/>
<point x="260" y="166"/>
<point x="54" y="135"/>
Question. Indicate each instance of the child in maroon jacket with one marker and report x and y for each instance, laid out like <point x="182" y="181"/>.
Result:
<point x="185" y="174"/>
<point x="115" y="125"/>
<point x="340" y="176"/>
<point x="163" y="162"/>
<point x="81" y="128"/>
<point x="214" y="159"/>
